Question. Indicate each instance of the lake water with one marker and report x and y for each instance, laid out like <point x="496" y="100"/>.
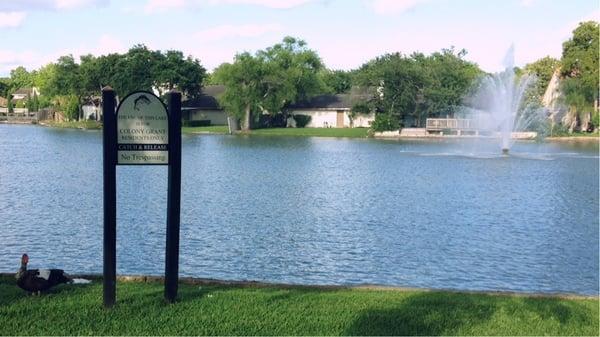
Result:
<point x="314" y="211"/>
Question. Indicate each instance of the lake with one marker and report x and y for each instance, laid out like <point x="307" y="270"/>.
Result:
<point x="433" y="214"/>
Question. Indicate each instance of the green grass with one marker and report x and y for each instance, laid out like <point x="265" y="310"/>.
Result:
<point x="89" y="125"/>
<point x="313" y="132"/>
<point x="576" y="134"/>
<point x="216" y="129"/>
<point x="271" y="310"/>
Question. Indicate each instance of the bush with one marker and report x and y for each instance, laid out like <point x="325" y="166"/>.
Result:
<point x="71" y="109"/>
<point x="195" y="123"/>
<point x="271" y="121"/>
<point x="302" y="120"/>
<point x="385" y="122"/>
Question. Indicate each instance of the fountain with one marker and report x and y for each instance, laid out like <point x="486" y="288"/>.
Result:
<point x="500" y="105"/>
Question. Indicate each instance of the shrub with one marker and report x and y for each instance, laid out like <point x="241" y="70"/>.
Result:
<point x="385" y="122"/>
<point x="302" y="120"/>
<point x="271" y="121"/>
<point x="71" y="109"/>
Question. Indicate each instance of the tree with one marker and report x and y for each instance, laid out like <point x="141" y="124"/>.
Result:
<point x="20" y="78"/>
<point x="399" y="82"/>
<point x="542" y="69"/>
<point x="410" y="89"/>
<point x="174" y="71"/>
<point x="293" y="73"/>
<point x="244" y="90"/>
<point x="337" y="81"/>
<point x="580" y="68"/>
<point x="134" y="70"/>
<point x="269" y="81"/>
<point x="449" y="77"/>
<point x="45" y="80"/>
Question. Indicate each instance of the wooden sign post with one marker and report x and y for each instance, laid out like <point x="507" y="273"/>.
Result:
<point x="142" y="131"/>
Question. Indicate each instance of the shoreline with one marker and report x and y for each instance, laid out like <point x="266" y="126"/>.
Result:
<point x="97" y="126"/>
<point x="261" y="284"/>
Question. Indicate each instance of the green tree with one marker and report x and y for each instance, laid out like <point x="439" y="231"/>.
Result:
<point x="292" y="73"/>
<point x="45" y="80"/>
<point x="542" y="69"/>
<point x="580" y="68"/>
<point x="244" y="89"/>
<point x="410" y="89"/>
<point x="20" y="78"/>
<point x="134" y="70"/>
<point x="269" y="81"/>
<point x="337" y="81"/>
<point x="449" y="77"/>
<point x="174" y="71"/>
<point x="399" y="83"/>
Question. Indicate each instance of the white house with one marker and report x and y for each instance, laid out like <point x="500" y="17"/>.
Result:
<point x="326" y="111"/>
<point x="22" y="93"/>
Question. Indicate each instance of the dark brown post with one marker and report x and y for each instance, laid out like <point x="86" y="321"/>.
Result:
<point x="109" y="155"/>
<point x="173" y="196"/>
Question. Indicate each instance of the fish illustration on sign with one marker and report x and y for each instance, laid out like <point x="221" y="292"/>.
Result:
<point x="140" y="102"/>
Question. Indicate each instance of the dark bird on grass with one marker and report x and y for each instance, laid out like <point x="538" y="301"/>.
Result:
<point x="38" y="280"/>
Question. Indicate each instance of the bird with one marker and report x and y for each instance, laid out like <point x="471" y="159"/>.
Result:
<point x="38" y="280"/>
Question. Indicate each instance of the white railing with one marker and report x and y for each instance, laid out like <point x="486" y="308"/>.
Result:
<point x="450" y="123"/>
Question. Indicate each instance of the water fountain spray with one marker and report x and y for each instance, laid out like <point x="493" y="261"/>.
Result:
<point x="500" y="105"/>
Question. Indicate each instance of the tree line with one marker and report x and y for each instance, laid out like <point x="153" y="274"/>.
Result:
<point x="404" y="90"/>
<point x="67" y="84"/>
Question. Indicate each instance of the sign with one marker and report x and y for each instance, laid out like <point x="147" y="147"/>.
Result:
<point x="142" y="130"/>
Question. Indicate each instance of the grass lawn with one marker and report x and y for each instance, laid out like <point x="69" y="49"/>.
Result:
<point x="90" y="125"/>
<point x="216" y="129"/>
<point x="313" y="132"/>
<point x="272" y="310"/>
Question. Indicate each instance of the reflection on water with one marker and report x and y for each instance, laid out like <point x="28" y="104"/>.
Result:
<point x="314" y="210"/>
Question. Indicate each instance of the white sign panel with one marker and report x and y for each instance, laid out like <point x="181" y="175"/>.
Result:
<point x="142" y="130"/>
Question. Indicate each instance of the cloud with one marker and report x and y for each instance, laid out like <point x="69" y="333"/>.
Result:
<point x="154" y="6"/>
<point x="277" y="4"/>
<point x="11" y="19"/>
<point x="37" y="5"/>
<point x="527" y="3"/>
<point x="29" y="59"/>
<point x="75" y="4"/>
<point x="388" y="7"/>
<point x="233" y="31"/>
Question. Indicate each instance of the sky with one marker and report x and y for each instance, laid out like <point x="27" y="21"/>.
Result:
<point x="345" y="33"/>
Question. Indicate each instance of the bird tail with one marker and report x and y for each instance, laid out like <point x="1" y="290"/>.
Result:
<point x="80" y="281"/>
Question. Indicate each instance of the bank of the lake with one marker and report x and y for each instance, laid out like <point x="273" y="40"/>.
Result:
<point x="82" y="125"/>
<point x="220" y="309"/>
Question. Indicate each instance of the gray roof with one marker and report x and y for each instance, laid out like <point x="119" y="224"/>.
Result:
<point x="207" y="99"/>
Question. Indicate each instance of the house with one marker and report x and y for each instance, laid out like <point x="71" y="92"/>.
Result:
<point x="23" y="93"/>
<point x="91" y="108"/>
<point x="205" y="107"/>
<point x="333" y="111"/>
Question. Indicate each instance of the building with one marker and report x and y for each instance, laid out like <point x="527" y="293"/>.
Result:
<point x="329" y="111"/>
<point x="23" y="93"/>
<point x="333" y="111"/>
<point x="205" y="107"/>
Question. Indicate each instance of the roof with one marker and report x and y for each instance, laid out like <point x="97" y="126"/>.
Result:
<point x="22" y="91"/>
<point x="208" y="100"/>
<point x="339" y="101"/>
